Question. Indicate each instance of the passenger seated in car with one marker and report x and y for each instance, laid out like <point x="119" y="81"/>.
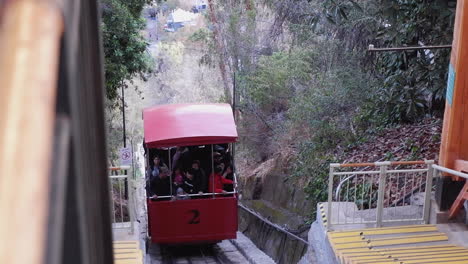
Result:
<point x="223" y="155"/>
<point x="217" y="158"/>
<point x="178" y="177"/>
<point x="229" y="174"/>
<point x="156" y="166"/>
<point x="216" y="181"/>
<point x="152" y="173"/>
<point x="192" y="184"/>
<point x="179" y="185"/>
<point x="199" y="173"/>
<point x="161" y="185"/>
<point x="180" y="194"/>
<point x="214" y="162"/>
<point x="222" y="165"/>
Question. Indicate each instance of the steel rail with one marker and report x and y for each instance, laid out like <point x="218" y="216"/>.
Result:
<point x="372" y="49"/>
<point x="188" y="254"/>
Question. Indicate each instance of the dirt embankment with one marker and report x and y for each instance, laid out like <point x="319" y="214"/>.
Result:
<point x="404" y="142"/>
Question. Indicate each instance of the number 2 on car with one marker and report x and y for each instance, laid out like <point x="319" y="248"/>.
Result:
<point x="195" y="219"/>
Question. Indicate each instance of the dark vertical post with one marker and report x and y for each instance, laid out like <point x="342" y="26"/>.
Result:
<point x="133" y="159"/>
<point x="87" y="234"/>
<point x="170" y="166"/>
<point x="234" y="101"/>
<point x="123" y="116"/>
<point x="124" y="140"/>
<point x="234" y="95"/>
<point x="212" y="172"/>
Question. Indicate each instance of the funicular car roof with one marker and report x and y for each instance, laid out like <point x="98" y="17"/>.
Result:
<point x="188" y="125"/>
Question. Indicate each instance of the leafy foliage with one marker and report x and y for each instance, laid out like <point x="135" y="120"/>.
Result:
<point x="307" y="81"/>
<point x="124" y="46"/>
<point x="413" y="82"/>
<point x="205" y="37"/>
<point x="277" y="78"/>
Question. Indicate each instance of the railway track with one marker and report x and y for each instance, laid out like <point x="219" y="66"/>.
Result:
<point x="224" y="253"/>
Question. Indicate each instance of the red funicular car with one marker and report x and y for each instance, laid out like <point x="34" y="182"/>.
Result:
<point x="176" y="137"/>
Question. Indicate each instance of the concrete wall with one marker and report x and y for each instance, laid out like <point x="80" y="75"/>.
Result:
<point x="267" y="191"/>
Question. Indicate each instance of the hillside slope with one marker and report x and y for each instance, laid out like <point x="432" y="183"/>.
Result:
<point x="269" y="188"/>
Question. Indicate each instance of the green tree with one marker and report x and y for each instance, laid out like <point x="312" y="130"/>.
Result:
<point x="413" y="82"/>
<point x="277" y="78"/>
<point x="124" y="46"/>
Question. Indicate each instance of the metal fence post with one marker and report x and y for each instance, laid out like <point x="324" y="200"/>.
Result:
<point x="427" y="191"/>
<point x="111" y="196"/>
<point x="131" y="203"/>
<point x="330" y="195"/>
<point x="381" y="190"/>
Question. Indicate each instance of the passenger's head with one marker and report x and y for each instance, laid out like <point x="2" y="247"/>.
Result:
<point x="180" y="191"/>
<point x="164" y="172"/>
<point x="190" y="174"/>
<point x="156" y="160"/>
<point x="218" y="169"/>
<point x="222" y="166"/>
<point x="229" y="169"/>
<point x="177" y="171"/>
<point x="219" y="149"/>
<point x="195" y="164"/>
<point x="217" y="157"/>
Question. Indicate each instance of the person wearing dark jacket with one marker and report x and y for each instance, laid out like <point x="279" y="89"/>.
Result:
<point x="161" y="185"/>
<point x="199" y="173"/>
<point x="192" y="184"/>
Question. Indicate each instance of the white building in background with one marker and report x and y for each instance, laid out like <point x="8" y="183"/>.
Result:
<point x="200" y="4"/>
<point x="178" y="18"/>
<point x="181" y="16"/>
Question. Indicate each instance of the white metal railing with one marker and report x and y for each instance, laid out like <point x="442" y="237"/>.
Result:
<point x="179" y="196"/>
<point x="188" y="196"/>
<point x="121" y="198"/>
<point x="439" y="169"/>
<point x="380" y="192"/>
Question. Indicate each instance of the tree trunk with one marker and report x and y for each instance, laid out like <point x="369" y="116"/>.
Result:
<point x="219" y="47"/>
